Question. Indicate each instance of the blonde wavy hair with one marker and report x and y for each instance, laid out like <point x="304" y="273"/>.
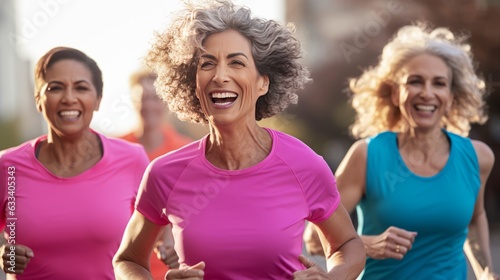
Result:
<point x="371" y="92"/>
<point x="174" y="57"/>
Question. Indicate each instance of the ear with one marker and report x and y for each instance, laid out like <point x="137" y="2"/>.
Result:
<point x="264" y="85"/>
<point x="97" y="103"/>
<point x="38" y="104"/>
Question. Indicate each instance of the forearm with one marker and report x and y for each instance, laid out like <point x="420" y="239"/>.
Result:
<point x="125" y="270"/>
<point x="348" y="261"/>
<point x="477" y="246"/>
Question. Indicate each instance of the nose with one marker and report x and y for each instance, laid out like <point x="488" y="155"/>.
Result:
<point x="221" y="74"/>
<point x="427" y="90"/>
<point x="69" y="96"/>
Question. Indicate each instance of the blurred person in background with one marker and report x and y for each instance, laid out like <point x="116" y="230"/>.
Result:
<point x="415" y="178"/>
<point x="153" y="132"/>
<point x="158" y="137"/>
<point x="238" y="198"/>
<point x="67" y="196"/>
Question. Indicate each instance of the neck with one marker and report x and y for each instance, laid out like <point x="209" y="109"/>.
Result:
<point x="70" y="156"/>
<point x="425" y="153"/>
<point x="423" y="140"/>
<point x="422" y="147"/>
<point x="234" y="149"/>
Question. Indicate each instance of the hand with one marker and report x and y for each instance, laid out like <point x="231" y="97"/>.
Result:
<point x="313" y="271"/>
<point x="488" y="275"/>
<point x="194" y="272"/>
<point x="167" y="255"/>
<point x="15" y="258"/>
<point x="393" y="243"/>
<point x="312" y="242"/>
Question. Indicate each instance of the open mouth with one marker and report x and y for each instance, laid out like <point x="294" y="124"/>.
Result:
<point x="223" y="99"/>
<point x="426" y="108"/>
<point x="70" y="115"/>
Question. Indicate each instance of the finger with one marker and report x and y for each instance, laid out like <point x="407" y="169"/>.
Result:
<point x="409" y="235"/>
<point x="172" y="261"/>
<point x="307" y="262"/>
<point x="22" y="250"/>
<point x="192" y="272"/>
<point x="170" y="254"/>
<point x="399" y="252"/>
<point x="185" y="274"/>
<point x="200" y="265"/>
<point x="16" y="265"/>
<point x="161" y="253"/>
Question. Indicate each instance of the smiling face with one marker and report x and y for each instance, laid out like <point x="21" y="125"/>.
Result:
<point x="424" y="95"/>
<point x="68" y="98"/>
<point x="227" y="81"/>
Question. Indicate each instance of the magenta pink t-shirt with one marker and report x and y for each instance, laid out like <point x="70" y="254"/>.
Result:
<point x="244" y="224"/>
<point x="74" y="225"/>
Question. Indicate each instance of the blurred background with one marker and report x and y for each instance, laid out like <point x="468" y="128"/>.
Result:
<point x="340" y="38"/>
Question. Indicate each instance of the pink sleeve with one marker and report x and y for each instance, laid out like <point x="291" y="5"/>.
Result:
<point x="320" y="190"/>
<point x="152" y="197"/>
<point x="3" y="190"/>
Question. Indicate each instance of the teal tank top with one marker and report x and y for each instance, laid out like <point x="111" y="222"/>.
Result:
<point x="439" y="208"/>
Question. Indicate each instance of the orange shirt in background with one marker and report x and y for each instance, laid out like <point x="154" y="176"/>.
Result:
<point x="173" y="141"/>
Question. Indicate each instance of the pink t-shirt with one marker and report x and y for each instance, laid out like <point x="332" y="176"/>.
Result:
<point x="245" y="224"/>
<point x="74" y="225"/>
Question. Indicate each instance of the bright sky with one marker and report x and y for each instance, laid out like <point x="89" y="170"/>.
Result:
<point x="116" y="34"/>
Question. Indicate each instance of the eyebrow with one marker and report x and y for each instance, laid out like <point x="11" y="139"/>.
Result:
<point x="231" y="55"/>
<point x="420" y="76"/>
<point x="76" y="82"/>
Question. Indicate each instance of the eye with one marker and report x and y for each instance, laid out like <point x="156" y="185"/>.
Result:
<point x="441" y="83"/>
<point x="413" y="82"/>
<point x="82" y="88"/>
<point x="238" y="63"/>
<point x="207" y="65"/>
<point x="53" y="88"/>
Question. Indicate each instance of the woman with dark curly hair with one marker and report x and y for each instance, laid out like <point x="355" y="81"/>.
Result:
<point x="416" y="179"/>
<point x="237" y="199"/>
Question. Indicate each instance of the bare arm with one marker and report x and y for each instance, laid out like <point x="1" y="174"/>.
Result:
<point x="350" y="178"/>
<point x="351" y="175"/>
<point x="132" y="258"/>
<point x="351" y="182"/>
<point x="477" y="246"/>
<point x="344" y="252"/>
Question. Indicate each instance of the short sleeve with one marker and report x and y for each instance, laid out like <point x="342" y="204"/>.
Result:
<point x="152" y="197"/>
<point x="320" y="190"/>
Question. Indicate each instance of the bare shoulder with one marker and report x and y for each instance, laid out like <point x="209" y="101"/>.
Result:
<point x="359" y="150"/>
<point x="485" y="155"/>
<point x="355" y="157"/>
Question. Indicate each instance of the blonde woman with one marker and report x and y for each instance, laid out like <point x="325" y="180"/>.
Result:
<point x="415" y="178"/>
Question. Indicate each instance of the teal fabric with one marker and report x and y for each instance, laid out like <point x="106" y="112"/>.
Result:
<point x="439" y="208"/>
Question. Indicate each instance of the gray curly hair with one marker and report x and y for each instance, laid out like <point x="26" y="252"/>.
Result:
<point x="174" y="57"/>
<point x="371" y="91"/>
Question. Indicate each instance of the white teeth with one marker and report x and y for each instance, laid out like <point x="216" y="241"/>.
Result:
<point x="69" y="113"/>
<point x="223" y="95"/>
<point x="223" y="103"/>
<point x="425" y="107"/>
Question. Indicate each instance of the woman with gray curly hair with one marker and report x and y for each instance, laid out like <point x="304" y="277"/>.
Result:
<point x="416" y="179"/>
<point x="238" y="198"/>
